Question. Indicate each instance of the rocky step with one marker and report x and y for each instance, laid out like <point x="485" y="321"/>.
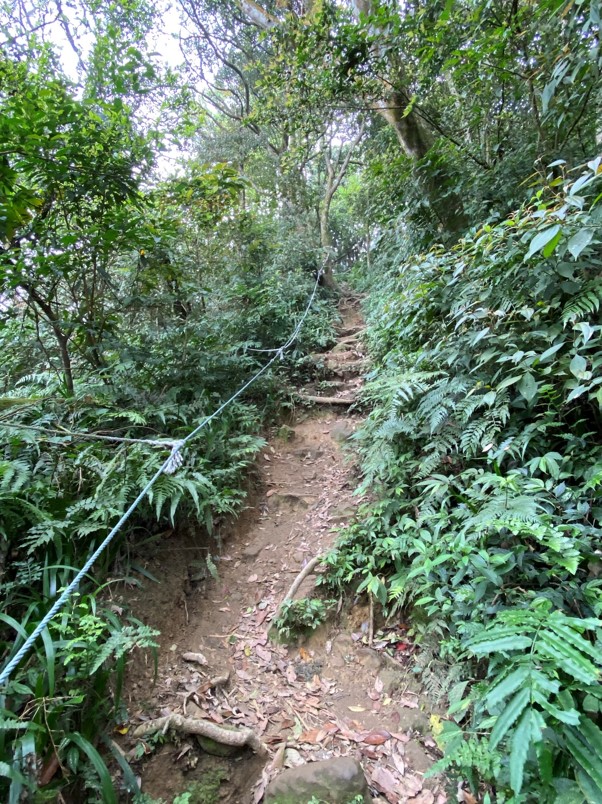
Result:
<point x="337" y="781"/>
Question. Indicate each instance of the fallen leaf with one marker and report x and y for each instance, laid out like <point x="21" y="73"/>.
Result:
<point x="356" y="708"/>
<point x="384" y="780"/>
<point x="399" y="763"/>
<point x="252" y="578"/>
<point x="377" y="737"/>
<point x="378" y="685"/>
<point x="243" y="675"/>
<point x="410" y="786"/>
<point x="408" y="703"/>
<point x="263" y="653"/>
<point x="184" y="751"/>
<point x="312" y="736"/>
<point x="271" y="492"/>
<point x="426" y="797"/>
<point x="198" y="658"/>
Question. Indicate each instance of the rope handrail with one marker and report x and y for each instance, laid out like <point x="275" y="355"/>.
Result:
<point x="170" y="465"/>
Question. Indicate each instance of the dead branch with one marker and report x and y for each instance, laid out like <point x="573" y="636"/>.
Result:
<point x="187" y="725"/>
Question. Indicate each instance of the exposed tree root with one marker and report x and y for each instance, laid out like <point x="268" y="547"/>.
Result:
<point x="187" y="725"/>
<point x="327" y="400"/>
<point x="307" y="570"/>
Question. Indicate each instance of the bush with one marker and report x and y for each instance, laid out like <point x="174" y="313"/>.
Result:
<point x="485" y="442"/>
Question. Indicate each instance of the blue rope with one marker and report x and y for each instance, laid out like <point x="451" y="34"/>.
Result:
<point x="168" y="466"/>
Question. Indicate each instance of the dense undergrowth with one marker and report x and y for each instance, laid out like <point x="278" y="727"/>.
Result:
<point x="485" y="443"/>
<point x="61" y="492"/>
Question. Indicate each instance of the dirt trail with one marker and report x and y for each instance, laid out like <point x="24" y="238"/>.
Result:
<point x="325" y="696"/>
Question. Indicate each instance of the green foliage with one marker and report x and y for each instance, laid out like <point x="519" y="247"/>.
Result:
<point x="484" y="442"/>
<point x="299" y="616"/>
<point x="132" y="307"/>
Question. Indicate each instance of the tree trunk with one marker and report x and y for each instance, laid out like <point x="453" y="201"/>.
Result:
<point x="62" y="338"/>
<point x="63" y="342"/>
<point x="327" y="245"/>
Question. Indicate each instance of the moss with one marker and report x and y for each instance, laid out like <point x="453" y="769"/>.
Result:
<point x="207" y="790"/>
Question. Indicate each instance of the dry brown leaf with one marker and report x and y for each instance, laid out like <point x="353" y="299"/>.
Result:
<point x="264" y="654"/>
<point x="243" y="675"/>
<point x="313" y="736"/>
<point x="425" y="797"/>
<point x="376" y="737"/>
<point x="399" y="763"/>
<point x="410" y="786"/>
<point x="408" y="703"/>
<point x="383" y="779"/>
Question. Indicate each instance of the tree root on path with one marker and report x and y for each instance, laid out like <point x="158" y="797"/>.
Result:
<point x="307" y="569"/>
<point x="188" y="725"/>
<point x="326" y="400"/>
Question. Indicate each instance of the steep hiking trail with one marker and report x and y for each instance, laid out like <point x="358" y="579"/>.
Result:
<point x="331" y="692"/>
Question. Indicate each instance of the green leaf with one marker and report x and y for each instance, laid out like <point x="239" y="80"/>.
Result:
<point x="576" y="640"/>
<point x="542" y="239"/>
<point x="509" y="716"/>
<point x="521" y="742"/>
<point x="579" y="241"/>
<point x="578" y="367"/>
<point x="495" y="644"/>
<point x="507" y="686"/>
<point x="568" y="659"/>
<point x="509" y="381"/>
<point x="569" y="716"/>
<point x="108" y="791"/>
<point x="584" y="754"/>
<point x="551" y="351"/>
<point x="550" y="247"/>
<point x="527" y="387"/>
<point x="591" y="792"/>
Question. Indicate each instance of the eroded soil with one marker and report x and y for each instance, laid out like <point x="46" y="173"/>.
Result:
<point x="326" y="695"/>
